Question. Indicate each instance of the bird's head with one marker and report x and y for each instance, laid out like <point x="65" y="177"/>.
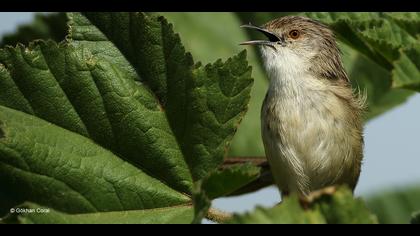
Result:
<point x="299" y="44"/>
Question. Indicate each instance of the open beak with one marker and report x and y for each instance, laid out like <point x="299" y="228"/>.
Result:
<point x="272" y="38"/>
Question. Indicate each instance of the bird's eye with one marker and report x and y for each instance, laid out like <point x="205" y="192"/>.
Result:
<point x="294" y="34"/>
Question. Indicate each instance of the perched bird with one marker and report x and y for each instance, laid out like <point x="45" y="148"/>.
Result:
<point x="311" y="118"/>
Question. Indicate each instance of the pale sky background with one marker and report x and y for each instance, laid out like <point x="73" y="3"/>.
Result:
<point x="392" y="148"/>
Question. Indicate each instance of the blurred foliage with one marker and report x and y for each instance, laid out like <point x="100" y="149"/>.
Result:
<point x="44" y="26"/>
<point x="395" y="206"/>
<point x="415" y="219"/>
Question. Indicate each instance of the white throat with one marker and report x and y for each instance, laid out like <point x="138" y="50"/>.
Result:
<point x="288" y="72"/>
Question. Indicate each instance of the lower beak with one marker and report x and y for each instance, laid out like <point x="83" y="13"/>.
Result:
<point x="257" y="42"/>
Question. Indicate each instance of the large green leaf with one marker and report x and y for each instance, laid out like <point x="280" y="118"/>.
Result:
<point x="30" y="213"/>
<point x="115" y="118"/>
<point x="202" y="126"/>
<point x="339" y="207"/>
<point x="44" y="163"/>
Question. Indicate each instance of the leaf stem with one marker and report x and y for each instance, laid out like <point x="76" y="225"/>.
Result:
<point x="218" y="216"/>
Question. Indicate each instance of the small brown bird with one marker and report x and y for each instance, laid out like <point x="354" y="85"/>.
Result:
<point x="311" y="119"/>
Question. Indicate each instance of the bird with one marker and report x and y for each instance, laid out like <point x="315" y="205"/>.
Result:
<point x="311" y="117"/>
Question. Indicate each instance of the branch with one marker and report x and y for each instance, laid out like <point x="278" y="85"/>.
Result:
<point x="242" y="160"/>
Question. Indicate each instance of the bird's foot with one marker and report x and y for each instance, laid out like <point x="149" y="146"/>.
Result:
<point x="307" y="200"/>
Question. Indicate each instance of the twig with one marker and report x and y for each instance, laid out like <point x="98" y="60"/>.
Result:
<point x="218" y="216"/>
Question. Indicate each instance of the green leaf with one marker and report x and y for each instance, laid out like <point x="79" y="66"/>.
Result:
<point x="395" y="206"/>
<point x="343" y="208"/>
<point x="407" y="69"/>
<point x="30" y="213"/>
<point x="121" y="127"/>
<point x="337" y="208"/>
<point x="44" y="163"/>
<point x="44" y="26"/>
<point x="226" y="181"/>
<point x="288" y="212"/>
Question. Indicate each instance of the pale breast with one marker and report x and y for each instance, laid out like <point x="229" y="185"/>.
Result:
<point x="306" y="137"/>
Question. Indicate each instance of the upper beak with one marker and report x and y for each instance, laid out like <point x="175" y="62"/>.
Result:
<point x="271" y="36"/>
